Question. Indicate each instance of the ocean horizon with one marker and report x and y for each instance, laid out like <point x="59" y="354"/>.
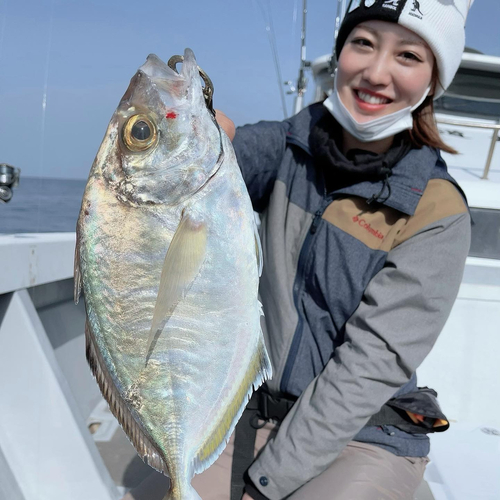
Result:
<point x="42" y="205"/>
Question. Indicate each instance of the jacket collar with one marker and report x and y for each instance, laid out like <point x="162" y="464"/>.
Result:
<point x="409" y="176"/>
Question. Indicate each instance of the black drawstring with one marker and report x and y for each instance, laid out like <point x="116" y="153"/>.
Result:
<point x="387" y="172"/>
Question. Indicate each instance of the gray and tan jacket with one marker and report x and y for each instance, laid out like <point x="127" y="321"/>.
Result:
<point x="355" y="294"/>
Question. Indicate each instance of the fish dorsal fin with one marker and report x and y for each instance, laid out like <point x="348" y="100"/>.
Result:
<point x="182" y="264"/>
<point x="259" y="371"/>
<point x="139" y="438"/>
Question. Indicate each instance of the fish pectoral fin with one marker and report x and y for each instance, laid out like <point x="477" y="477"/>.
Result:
<point x="182" y="264"/>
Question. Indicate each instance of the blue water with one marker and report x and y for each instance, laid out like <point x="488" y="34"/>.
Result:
<point x="42" y="206"/>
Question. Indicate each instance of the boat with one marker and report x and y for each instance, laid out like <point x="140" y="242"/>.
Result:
<point x="58" y="440"/>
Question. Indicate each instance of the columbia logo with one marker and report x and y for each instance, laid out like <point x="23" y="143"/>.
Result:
<point x="366" y="225"/>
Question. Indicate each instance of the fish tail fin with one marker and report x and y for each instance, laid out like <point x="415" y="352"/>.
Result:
<point x="185" y="493"/>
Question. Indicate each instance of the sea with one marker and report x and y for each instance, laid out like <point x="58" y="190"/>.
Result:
<point x="42" y="205"/>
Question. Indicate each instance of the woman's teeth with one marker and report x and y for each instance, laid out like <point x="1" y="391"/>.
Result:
<point x="371" y="99"/>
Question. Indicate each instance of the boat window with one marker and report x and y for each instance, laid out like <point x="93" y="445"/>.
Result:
<point x="473" y="93"/>
<point x="470" y="108"/>
<point x="485" y="233"/>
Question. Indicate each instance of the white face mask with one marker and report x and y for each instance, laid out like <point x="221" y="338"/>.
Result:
<point x="376" y="129"/>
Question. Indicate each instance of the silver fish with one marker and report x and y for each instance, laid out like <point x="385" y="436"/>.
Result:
<point x="169" y="257"/>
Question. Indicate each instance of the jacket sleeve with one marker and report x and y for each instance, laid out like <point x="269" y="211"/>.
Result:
<point x="259" y="150"/>
<point x="403" y="310"/>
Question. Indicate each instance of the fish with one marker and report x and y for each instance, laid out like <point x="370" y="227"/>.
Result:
<point x="168" y="258"/>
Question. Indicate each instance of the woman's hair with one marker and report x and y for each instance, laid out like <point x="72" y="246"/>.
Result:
<point x="425" y="131"/>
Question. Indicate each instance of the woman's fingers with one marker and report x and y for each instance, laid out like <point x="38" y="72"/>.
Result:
<point x="226" y="123"/>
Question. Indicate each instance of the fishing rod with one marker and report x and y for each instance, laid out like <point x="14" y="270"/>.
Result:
<point x="268" y="20"/>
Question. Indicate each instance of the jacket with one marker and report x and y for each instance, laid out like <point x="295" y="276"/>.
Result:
<point x="354" y="294"/>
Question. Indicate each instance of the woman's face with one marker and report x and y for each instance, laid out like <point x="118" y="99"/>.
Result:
<point x="383" y="67"/>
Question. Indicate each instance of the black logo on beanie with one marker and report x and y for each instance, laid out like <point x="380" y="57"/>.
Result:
<point x="391" y="4"/>
<point x="415" y="11"/>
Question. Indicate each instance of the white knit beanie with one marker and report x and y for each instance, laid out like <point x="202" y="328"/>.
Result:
<point x="441" y="23"/>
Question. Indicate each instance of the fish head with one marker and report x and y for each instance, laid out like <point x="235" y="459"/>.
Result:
<point x="162" y="144"/>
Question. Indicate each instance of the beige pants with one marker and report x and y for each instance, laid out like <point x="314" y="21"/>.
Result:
<point x="361" y="472"/>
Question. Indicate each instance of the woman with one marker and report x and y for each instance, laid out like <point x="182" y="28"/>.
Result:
<point x="365" y="237"/>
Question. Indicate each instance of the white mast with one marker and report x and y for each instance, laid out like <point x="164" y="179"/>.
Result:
<point x="304" y="64"/>
<point x="302" y="80"/>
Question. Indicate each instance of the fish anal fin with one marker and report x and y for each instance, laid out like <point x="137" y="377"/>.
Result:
<point x="258" y="249"/>
<point x="259" y="371"/>
<point x="77" y="274"/>
<point x="137" y="436"/>
<point x="183" y="261"/>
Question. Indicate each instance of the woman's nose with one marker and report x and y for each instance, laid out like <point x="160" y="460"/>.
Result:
<point x="377" y="71"/>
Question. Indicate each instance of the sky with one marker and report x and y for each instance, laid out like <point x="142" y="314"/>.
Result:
<point x="65" y="64"/>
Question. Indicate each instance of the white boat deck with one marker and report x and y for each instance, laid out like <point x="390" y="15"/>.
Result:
<point x="52" y="400"/>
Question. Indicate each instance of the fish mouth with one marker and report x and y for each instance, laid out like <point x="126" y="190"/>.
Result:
<point x="156" y="69"/>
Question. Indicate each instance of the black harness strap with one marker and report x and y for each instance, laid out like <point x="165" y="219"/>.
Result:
<point x="243" y="455"/>
<point x="262" y="406"/>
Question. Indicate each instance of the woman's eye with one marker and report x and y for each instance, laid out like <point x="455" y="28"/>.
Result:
<point x="410" y="56"/>
<point x="362" y="42"/>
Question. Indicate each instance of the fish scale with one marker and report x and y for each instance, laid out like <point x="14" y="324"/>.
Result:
<point x="169" y="259"/>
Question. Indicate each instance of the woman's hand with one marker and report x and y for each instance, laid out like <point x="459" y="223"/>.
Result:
<point x="228" y="126"/>
<point x="246" y="496"/>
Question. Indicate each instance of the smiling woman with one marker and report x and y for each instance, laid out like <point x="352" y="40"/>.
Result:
<point x="383" y="68"/>
<point x="386" y="70"/>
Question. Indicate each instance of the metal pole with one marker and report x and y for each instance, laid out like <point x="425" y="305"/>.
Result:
<point x="341" y="10"/>
<point x="339" y="16"/>
<point x="302" y="81"/>
<point x="490" y="154"/>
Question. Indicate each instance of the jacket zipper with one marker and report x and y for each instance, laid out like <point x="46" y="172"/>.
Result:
<point x="298" y="287"/>
<point x="316" y="221"/>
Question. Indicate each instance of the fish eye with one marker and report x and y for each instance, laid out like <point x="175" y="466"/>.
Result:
<point x="141" y="130"/>
<point x="139" y="133"/>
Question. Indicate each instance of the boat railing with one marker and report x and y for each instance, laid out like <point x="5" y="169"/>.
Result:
<point x="485" y="125"/>
<point x="46" y="387"/>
